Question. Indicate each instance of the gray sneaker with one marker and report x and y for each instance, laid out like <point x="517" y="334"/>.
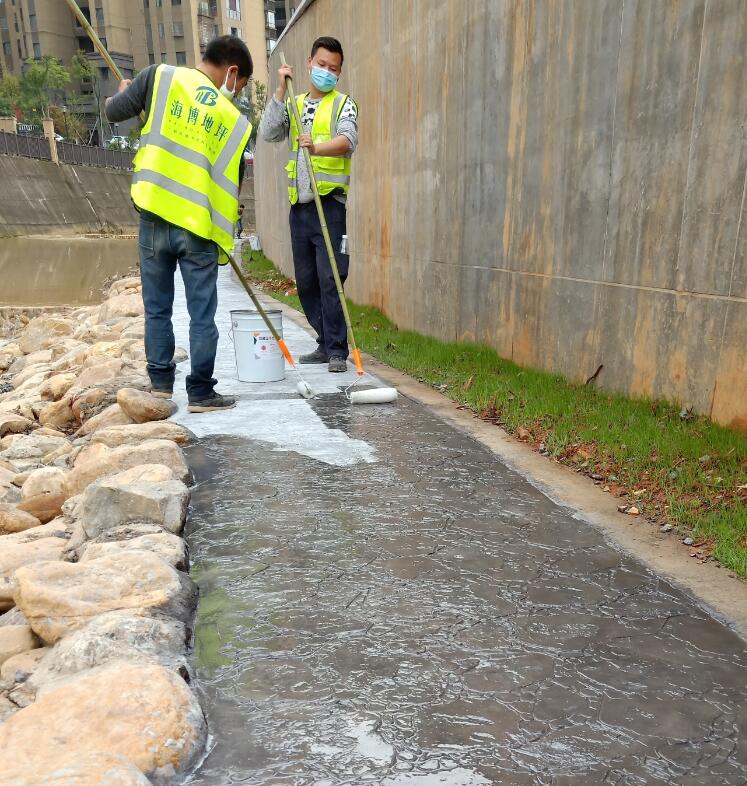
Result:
<point x="338" y="365"/>
<point x="317" y="356"/>
<point x="214" y="403"/>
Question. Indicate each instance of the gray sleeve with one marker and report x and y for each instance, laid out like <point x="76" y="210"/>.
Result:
<point x="136" y="99"/>
<point x="347" y="125"/>
<point x="274" y="125"/>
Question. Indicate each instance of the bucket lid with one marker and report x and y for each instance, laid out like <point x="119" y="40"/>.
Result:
<point x="250" y="312"/>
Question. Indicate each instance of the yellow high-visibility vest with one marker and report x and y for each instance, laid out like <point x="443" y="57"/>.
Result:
<point x="187" y="167"/>
<point x="332" y="172"/>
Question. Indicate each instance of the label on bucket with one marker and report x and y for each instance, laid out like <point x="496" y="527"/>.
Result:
<point x="265" y="346"/>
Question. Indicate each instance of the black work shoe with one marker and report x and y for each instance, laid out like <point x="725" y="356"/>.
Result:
<point x="338" y="365"/>
<point x="317" y="356"/>
<point x="214" y="403"/>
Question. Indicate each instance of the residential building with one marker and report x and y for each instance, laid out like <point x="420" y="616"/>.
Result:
<point x="136" y="33"/>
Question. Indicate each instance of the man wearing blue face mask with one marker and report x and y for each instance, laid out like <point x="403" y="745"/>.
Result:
<point x="330" y="132"/>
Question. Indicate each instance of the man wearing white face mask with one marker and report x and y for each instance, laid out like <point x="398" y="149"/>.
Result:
<point x="188" y="171"/>
<point x="330" y="132"/>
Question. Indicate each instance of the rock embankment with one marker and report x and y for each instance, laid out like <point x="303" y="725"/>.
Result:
<point x="96" y="605"/>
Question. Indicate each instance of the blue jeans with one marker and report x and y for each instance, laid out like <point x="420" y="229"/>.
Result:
<point x="314" y="280"/>
<point x="162" y="246"/>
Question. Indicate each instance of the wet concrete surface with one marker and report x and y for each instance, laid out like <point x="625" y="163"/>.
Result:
<point x="425" y="616"/>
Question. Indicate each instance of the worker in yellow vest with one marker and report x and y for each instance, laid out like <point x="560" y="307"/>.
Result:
<point x="330" y="132"/>
<point x="188" y="172"/>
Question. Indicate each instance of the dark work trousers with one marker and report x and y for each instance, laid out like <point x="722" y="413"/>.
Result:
<point x="314" y="279"/>
<point x="163" y="246"/>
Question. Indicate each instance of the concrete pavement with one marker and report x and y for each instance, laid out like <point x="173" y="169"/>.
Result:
<point x="384" y="602"/>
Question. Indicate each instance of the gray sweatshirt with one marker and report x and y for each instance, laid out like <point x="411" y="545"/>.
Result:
<point x="275" y="127"/>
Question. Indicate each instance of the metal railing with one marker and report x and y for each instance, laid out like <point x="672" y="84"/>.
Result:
<point x="26" y="146"/>
<point x="67" y="152"/>
<point x="94" y="156"/>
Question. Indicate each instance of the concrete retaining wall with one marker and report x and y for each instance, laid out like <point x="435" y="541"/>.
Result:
<point x="563" y="180"/>
<point x="39" y="197"/>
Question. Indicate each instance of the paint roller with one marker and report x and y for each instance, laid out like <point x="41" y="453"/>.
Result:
<point x="375" y="395"/>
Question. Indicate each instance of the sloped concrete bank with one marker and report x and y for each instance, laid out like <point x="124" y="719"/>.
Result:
<point x="96" y="606"/>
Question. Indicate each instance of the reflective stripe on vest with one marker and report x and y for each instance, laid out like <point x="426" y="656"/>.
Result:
<point x="332" y="172"/>
<point x="187" y="167"/>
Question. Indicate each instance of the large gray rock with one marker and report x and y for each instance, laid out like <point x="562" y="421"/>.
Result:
<point x="145" y="492"/>
<point x="111" y="636"/>
<point x="33" y="446"/>
<point x="61" y="597"/>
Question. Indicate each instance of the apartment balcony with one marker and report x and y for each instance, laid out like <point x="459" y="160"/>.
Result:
<point x="207" y="9"/>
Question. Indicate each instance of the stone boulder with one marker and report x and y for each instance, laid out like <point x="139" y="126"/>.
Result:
<point x="146" y="492"/>
<point x="9" y="353"/>
<point x="102" y="371"/>
<point x="122" y="306"/>
<point x="144" y="407"/>
<point x="112" y="636"/>
<point x="61" y="597"/>
<point x="143" y="712"/>
<point x="15" y="639"/>
<point x="98" y="460"/>
<point x="96" y="769"/>
<point x="12" y="519"/>
<point x="19" y="668"/>
<point x="15" y="424"/>
<point x="44" y="507"/>
<point x="113" y="415"/>
<point x="115" y="436"/>
<point x="59" y="415"/>
<point x="49" y="480"/>
<point x="40" y="329"/>
<point x="90" y="402"/>
<point x="123" y="284"/>
<point x="56" y="386"/>
<point x="7" y="590"/>
<point x="170" y="548"/>
<point x="14" y="555"/>
<point x="31" y="446"/>
<point x="31" y="370"/>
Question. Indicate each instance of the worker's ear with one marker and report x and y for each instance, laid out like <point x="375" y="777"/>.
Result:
<point x="308" y="63"/>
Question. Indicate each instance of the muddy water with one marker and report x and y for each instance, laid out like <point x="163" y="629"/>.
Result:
<point x="431" y="619"/>
<point x="62" y="271"/>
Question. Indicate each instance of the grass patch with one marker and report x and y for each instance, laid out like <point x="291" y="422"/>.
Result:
<point x="689" y="473"/>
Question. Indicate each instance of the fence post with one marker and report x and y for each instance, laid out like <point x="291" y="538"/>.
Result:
<point x="9" y="125"/>
<point x="48" y="126"/>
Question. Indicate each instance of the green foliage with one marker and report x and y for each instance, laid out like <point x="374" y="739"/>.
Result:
<point x="690" y="473"/>
<point x="10" y="90"/>
<point x="42" y="81"/>
<point x="81" y="67"/>
<point x="256" y="107"/>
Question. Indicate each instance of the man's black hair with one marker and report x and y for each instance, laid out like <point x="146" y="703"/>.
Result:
<point x="228" y="50"/>
<point x="330" y="44"/>
<point x="241" y="205"/>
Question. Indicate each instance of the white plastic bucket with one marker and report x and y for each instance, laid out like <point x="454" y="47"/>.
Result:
<point x="258" y="356"/>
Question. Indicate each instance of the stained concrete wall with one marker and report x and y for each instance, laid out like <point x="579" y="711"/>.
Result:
<point x="39" y="197"/>
<point x="562" y="179"/>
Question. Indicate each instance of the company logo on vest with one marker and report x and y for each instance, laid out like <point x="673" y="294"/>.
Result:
<point x="207" y="96"/>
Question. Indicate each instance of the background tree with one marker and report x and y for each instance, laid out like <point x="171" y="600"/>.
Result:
<point x="69" y="124"/>
<point x="10" y="92"/>
<point x="43" y="80"/>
